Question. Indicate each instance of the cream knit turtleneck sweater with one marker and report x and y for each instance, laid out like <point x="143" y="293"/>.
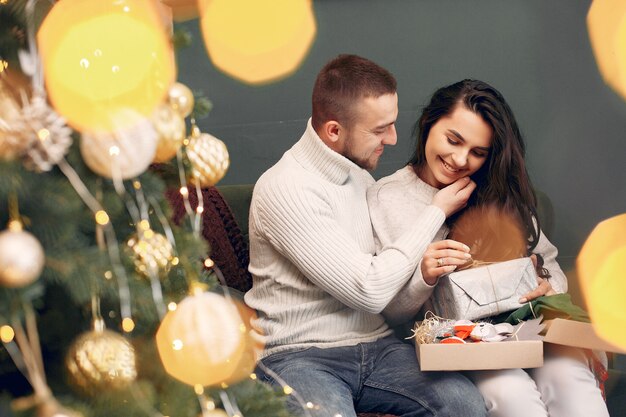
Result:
<point x="316" y="278"/>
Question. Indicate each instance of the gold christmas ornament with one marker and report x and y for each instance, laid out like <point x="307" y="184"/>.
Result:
<point x="202" y="341"/>
<point x="124" y="154"/>
<point x="101" y="360"/>
<point x="170" y="129"/>
<point x="209" y="158"/>
<point x="153" y="252"/>
<point x="180" y="98"/>
<point x="103" y="56"/>
<point x="21" y="257"/>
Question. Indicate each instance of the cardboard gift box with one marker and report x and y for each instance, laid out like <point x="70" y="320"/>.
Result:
<point x="478" y="356"/>
<point x="577" y="334"/>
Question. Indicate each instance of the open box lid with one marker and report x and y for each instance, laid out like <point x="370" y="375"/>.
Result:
<point x="577" y="334"/>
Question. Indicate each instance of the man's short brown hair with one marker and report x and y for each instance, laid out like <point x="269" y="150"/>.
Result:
<point x="342" y="82"/>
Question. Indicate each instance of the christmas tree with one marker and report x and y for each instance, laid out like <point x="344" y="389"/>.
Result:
<point x="106" y="306"/>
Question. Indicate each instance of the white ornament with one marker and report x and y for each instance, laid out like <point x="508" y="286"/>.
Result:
<point x="21" y="258"/>
<point x="123" y="154"/>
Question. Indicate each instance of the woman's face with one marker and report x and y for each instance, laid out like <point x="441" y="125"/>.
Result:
<point x="457" y="146"/>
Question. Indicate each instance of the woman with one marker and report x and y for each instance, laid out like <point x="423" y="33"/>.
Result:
<point x="468" y="131"/>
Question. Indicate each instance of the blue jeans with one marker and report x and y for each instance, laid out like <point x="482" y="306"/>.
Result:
<point x="381" y="376"/>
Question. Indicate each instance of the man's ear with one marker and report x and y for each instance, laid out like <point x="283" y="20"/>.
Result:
<point x="330" y="132"/>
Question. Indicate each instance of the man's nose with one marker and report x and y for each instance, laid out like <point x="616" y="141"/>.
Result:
<point x="391" y="138"/>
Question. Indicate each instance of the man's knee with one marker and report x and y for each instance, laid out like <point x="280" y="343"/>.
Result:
<point x="464" y="399"/>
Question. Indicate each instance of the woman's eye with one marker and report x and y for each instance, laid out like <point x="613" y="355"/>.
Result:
<point x="452" y="141"/>
<point x="480" y="154"/>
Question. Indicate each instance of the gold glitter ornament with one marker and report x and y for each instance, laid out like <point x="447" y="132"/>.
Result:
<point x="209" y="158"/>
<point x="21" y="257"/>
<point x="153" y="252"/>
<point x="101" y="360"/>
<point x="180" y="98"/>
<point x="170" y="128"/>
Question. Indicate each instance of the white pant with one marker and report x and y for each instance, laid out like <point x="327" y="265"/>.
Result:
<point x="563" y="387"/>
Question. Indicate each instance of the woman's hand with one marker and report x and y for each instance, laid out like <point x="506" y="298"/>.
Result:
<point x="443" y="257"/>
<point x="454" y="197"/>
<point x="544" y="287"/>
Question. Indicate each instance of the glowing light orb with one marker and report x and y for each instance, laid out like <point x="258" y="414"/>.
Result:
<point x="102" y="56"/>
<point x="606" y="23"/>
<point x="601" y="268"/>
<point x="256" y="41"/>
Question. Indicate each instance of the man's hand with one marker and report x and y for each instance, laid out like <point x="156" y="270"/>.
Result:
<point x="443" y="257"/>
<point x="454" y="197"/>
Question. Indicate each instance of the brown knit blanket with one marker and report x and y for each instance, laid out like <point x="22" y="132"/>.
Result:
<point x="229" y="250"/>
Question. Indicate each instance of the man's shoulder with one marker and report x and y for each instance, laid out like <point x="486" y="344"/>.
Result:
<point x="285" y="180"/>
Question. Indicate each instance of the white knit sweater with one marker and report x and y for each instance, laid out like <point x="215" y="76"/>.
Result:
<point x="398" y="201"/>
<point x="316" y="279"/>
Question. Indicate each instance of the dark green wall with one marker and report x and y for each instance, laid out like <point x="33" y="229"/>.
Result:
<point x="536" y="52"/>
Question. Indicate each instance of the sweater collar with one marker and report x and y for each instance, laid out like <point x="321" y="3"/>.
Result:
<point x="315" y="156"/>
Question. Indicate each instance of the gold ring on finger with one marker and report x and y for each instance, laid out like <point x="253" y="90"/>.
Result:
<point x="440" y="262"/>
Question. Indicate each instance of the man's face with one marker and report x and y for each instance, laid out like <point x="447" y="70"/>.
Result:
<point x="374" y="127"/>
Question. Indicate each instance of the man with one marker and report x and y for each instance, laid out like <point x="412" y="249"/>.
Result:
<point x="318" y="285"/>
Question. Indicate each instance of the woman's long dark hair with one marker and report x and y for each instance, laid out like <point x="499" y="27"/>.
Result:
<point x="502" y="181"/>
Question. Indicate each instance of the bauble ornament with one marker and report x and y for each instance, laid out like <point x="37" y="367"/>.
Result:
<point x="203" y="340"/>
<point x="208" y="157"/>
<point x="101" y="360"/>
<point x="180" y="98"/>
<point x="21" y="257"/>
<point x="170" y="129"/>
<point x="124" y="154"/>
<point x="152" y="252"/>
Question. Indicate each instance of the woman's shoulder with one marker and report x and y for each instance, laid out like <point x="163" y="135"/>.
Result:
<point x="398" y="189"/>
<point x="401" y="177"/>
